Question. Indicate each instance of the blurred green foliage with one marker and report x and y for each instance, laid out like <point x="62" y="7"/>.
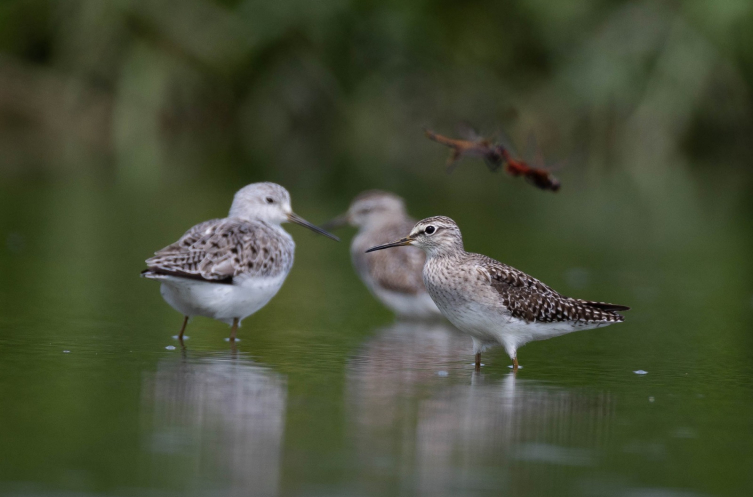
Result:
<point x="333" y="94"/>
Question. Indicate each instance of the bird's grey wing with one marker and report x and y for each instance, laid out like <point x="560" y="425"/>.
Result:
<point x="220" y="250"/>
<point x="190" y="237"/>
<point x="398" y="269"/>
<point x="531" y="300"/>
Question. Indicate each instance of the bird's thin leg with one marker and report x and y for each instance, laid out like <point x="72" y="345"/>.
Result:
<point x="478" y="361"/>
<point x="515" y="363"/>
<point x="183" y="328"/>
<point x="234" y="329"/>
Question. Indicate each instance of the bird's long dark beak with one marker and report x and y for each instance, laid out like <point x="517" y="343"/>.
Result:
<point x="399" y="243"/>
<point x="295" y="218"/>
<point x="338" y="222"/>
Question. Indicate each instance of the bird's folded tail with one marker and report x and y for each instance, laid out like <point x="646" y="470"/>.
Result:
<point x="158" y="273"/>
<point x="604" y="306"/>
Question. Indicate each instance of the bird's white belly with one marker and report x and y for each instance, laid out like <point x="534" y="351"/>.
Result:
<point x="490" y="327"/>
<point x="219" y="301"/>
<point x="477" y="320"/>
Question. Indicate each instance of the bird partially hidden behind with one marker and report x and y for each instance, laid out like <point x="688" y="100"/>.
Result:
<point x="394" y="277"/>
<point x="494" y="303"/>
<point x="227" y="269"/>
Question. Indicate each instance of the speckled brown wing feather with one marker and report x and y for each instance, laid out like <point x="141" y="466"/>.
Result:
<point x="531" y="300"/>
<point x="398" y="269"/>
<point x="222" y="249"/>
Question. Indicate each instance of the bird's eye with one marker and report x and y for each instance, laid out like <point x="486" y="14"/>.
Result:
<point x="270" y="200"/>
<point x="429" y="230"/>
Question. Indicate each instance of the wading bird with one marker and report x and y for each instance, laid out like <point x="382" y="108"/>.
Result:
<point x="393" y="277"/>
<point x="227" y="269"/>
<point x="494" y="303"/>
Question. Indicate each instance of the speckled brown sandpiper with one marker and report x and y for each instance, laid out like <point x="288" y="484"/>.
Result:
<point x="491" y="301"/>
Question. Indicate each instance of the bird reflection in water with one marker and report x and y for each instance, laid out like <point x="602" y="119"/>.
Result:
<point x="223" y="417"/>
<point x="402" y="357"/>
<point x="427" y="434"/>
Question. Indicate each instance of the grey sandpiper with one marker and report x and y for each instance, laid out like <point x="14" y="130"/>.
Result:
<point x="494" y="303"/>
<point x="227" y="269"/>
<point x="394" y="277"/>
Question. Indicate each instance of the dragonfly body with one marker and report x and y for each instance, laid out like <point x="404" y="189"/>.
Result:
<point x="495" y="155"/>
<point x="540" y="178"/>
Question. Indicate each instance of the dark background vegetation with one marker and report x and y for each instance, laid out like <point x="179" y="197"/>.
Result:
<point x="333" y="94"/>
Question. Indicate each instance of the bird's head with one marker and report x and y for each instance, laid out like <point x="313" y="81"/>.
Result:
<point x="370" y="208"/>
<point x="437" y="235"/>
<point x="268" y="202"/>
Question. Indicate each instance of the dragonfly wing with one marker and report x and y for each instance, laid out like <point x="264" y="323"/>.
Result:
<point x="468" y="132"/>
<point x="505" y="141"/>
<point x="533" y="156"/>
<point x="493" y="164"/>
<point x="453" y="160"/>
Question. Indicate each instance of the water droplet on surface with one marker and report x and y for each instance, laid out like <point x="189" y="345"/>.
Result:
<point x="442" y="373"/>
<point x="640" y="371"/>
<point x="170" y="347"/>
<point x="651" y="399"/>
<point x="66" y="352"/>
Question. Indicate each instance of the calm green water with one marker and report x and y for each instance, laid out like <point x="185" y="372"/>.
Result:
<point x="326" y="395"/>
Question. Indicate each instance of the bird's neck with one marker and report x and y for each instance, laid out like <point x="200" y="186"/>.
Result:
<point x="445" y="252"/>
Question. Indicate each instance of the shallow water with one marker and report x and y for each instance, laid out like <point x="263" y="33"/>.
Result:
<point x="326" y="395"/>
